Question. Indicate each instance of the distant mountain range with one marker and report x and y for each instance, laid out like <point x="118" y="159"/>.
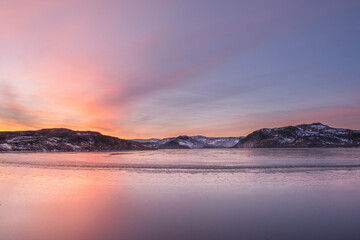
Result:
<point x="304" y="135"/>
<point x="65" y="140"/>
<point x="186" y="142"/>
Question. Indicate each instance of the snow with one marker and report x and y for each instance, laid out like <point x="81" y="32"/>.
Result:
<point x="6" y="146"/>
<point x="193" y="141"/>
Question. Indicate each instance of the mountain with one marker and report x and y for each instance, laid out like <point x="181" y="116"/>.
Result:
<point x="187" y="142"/>
<point x="63" y="140"/>
<point x="304" y="135"/>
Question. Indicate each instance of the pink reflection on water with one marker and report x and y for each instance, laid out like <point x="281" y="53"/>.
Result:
<point x="43" y="202"/>
<point x="57" y="204"/>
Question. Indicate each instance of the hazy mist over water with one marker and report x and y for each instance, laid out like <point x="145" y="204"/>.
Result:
<point x="181" y="194"/>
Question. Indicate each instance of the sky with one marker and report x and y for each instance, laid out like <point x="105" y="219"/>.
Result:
<point x="163" y="68"/>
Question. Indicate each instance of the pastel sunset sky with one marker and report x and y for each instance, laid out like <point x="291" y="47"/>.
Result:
<point x="162" y="68"/>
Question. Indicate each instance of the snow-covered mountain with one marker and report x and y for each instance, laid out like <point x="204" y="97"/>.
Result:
<point x="62" y="140"/>
<point x="304" y="135"/>
<point x="184" y="142"/>
<point x="65" y="140"/>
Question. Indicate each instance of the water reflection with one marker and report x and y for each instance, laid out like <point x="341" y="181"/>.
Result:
<point x="54" y="204"/>
<point x="50" y="203"/>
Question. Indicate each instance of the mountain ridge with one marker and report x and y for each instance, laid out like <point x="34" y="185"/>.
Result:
<point x="63" y="140"/>
<point x="66" y="140"/>
<point x="302" y="135"/>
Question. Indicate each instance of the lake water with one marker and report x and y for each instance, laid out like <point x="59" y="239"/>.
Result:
<point x="181" y="194"/>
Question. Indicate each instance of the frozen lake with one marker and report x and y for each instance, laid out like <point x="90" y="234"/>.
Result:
<point x="181" y="194"/>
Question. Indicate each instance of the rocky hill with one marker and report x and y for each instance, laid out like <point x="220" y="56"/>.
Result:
<point x="304" y="135"/>
<point x="62" y="140"/>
